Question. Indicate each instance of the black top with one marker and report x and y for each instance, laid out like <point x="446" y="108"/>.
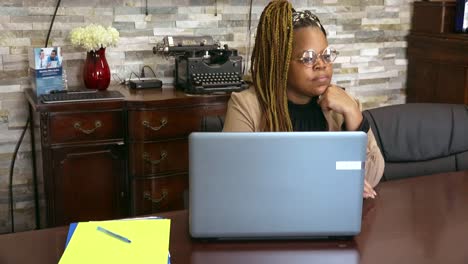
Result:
<point x="309" y="117"/>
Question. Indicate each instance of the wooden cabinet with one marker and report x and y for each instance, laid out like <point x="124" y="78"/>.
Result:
<point x="158" y="150"/>
<point x="437" y="57"/>
<point x="107" y="160"/>
<point x="83" y="160"/>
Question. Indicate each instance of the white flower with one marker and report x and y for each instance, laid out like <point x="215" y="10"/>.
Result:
<point x="94" y="37"/>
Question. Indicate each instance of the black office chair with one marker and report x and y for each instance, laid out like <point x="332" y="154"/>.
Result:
<point x="415" y="139"/>
<point x="212" y="124"/>
<point x="421" y="138"/>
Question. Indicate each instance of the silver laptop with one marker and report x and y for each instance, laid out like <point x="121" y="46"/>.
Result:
<point x="276" y="184"/>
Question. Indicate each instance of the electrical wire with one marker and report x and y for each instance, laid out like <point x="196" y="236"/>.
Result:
<point x="120" y="81"/>
<point x="52" y="22"/>
<point x="216" y="8"/>
<point x="12" y="167"/>
<point x="15" y="153"/>
<point x="143" y="71"/>
<point x="249" y="32"/>
<point x="146" y="7"/>
<point x="133" y="73"/>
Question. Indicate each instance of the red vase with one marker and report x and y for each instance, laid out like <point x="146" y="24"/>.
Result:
<point x="96" y="72"/>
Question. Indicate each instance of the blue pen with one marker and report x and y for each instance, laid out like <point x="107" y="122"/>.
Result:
<point x="112" y="234"/>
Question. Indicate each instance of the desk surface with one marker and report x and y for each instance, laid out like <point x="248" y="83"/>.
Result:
<point x="133" y="98"/>
<point x="417" y="220"/>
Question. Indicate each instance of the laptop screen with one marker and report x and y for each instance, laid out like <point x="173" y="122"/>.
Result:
<point x="276" y="184"/>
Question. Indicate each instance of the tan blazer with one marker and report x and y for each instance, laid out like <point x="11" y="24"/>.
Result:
<point x="244" y="115"/>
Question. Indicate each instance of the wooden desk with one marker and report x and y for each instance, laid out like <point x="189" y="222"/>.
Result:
<point x="417" y="220"/>
<point x="111" y="159"/>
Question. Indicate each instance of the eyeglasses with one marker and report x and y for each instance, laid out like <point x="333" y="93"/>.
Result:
<point x="309" y="57"/>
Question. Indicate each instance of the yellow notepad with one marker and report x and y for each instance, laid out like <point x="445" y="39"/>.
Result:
<point x="149" y="242"/>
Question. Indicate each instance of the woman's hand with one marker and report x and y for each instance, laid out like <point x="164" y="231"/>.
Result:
<point x="336" y="99"/>
<point x="369" y="192"/>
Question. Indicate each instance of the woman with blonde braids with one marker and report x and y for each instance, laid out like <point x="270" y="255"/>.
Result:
<point x="291" y="68"/>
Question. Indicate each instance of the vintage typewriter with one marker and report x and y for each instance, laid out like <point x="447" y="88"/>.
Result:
<point x="202" y="66"/>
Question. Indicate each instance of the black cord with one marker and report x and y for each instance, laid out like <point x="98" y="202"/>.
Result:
<point x="129" y="78"/>
<point x="120" y="81"/>
<point x="249" y="32"/>
<point x="216" y="8"/>
<point x="146" y="7"/>
<point x="12" y="166"/>
<point x="15" y="153"/>
<point x="52" y="23"/>
<point x="143" y="71"/>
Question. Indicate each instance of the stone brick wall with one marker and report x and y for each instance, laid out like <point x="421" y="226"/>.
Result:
<point x="370" y="35"/>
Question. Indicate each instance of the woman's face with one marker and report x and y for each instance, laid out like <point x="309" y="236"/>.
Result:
<point x="307" y="82"/>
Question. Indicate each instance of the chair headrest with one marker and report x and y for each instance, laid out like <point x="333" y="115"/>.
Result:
<point x="419" y="131"/>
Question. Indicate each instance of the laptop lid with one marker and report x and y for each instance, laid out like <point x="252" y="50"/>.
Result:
<point x="276" y="184"/>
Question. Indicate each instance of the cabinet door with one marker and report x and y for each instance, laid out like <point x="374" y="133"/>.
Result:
<point x="89" y="183"/>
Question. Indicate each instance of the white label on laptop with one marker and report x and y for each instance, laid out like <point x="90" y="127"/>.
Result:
<point x="349" y="165"/>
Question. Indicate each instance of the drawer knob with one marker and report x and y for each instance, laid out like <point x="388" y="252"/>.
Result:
<point x="147" y="158"/>
<point x="155" y="201"/>
<point x="163" y="123"/>
<point x="97" y="124"/>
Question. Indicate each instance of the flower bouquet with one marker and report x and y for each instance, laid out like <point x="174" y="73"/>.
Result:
<point x="95" y="39"/>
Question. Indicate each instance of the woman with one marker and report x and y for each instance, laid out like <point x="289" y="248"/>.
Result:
<point x="291" y="73"/>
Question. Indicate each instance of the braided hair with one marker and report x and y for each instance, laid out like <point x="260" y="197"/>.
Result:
<point x="270" y="60"/>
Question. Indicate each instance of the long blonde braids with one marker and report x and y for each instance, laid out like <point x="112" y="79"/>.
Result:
<point x="270" y="64"/>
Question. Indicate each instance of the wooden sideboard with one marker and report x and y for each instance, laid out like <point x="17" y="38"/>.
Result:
<point x="437" y="57"/>
<point x="111" y="159"/>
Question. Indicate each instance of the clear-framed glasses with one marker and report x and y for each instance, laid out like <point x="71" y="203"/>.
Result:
<point x="309" y="57"/>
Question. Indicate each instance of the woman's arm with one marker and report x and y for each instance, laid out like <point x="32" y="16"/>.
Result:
<point x="338" y="100"/>
<point x="375" y="163"/>
<point x="238" y="115"/>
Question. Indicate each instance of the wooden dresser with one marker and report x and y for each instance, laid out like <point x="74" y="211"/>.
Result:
<point x="437" y="57"/>
<point x="104" y="160"/>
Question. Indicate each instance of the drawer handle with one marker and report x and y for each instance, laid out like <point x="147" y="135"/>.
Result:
<point x="97" y="125"/>
<point x="147" y="196"/>
<point x="148" y="125"/>
<point x="146" y="157"/>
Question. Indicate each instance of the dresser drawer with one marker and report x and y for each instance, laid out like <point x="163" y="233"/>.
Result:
<point x="147" y="159"/>
<point x="157" y="124"/>
<point x="159" y="194"/>
<point x="85" y="126"/>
